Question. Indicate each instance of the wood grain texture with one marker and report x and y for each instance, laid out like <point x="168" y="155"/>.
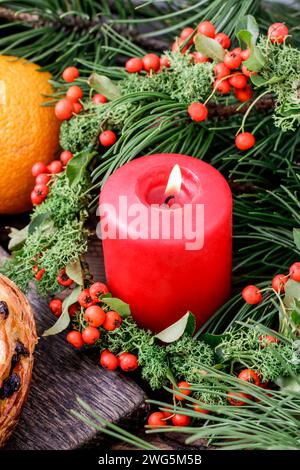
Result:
<point x="61" y="374"/>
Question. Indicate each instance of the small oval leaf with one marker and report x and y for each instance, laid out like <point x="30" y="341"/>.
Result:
<point x="185" y="324"/>
<point x="104" y="85"/>
<point x="63" y="322"/>
<point x="118" y="305"/>
<point x="209" y="47"/>
<point x="74" y="271"/>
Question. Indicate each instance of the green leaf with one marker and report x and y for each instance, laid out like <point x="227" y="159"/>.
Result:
<point x="63" y="322"/>
<point x="289" y="384"/>
<point x="256" y="60"/>
<point x="74" y="272"/>
<point x="249" y="24"/>
<point x="17" y="238"/>
<point x="245" y="37"/>
<point x="257" y="80"/>
<point x="295" y="314"/>
<point x="185" y="324"/>
<point x="209" y="47"/>
<point x="212" y="340"/>
<point x="104" y="85"/>
<point x="118" y="305"/>
<point x="296" y="235"/>
<point x="292" y="293"/>
<point x="77" y="167"/>
<point x="41" y="220"/>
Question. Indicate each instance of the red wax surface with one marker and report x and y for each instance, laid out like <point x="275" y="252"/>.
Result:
<point x="160" y="278"/>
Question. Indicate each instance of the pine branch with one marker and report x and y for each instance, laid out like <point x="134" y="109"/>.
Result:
<point x="264" y="104"/>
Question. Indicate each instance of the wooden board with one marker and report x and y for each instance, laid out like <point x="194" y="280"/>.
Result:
<point x="60" y="375"/>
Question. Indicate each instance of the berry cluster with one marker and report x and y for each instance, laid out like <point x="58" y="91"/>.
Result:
<point x="43" y="174"/>
<point x="231" y="74"/>
<point x="92" y="316"/>
<point x="253" y="295"/>
<point x="160" y="418"/>
<point x="72" y="104"/>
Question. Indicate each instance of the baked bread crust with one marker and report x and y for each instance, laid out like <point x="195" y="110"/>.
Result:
<point x="17" y="342"/>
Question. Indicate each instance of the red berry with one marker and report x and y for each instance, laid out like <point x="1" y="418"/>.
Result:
<point x="182" y="386"/>
<point x="249" y="375"/>
<point x="295" y="272"/>
<point x="237" y="50"/>
<point x="65" y="157"/>
<point x="199" y="58"/>
<point x="40" y="274"/>
<point x="222" y="86"/>
<point x="55" y="167"/>
<point x="70" y="74"/>
<point x="63" y="279"/>
<point x="95" y="316"/>
<point x="74" y="93"/>
<point x="278" y="32"/>
<point x="278" y="283"/>
<point x="198" y="111"/>
<point x="252" y="295"/>
<point x="244" y="140"/>
<point x="223" y="39"/>
<point x="151" y="62"/>
<point x="134" y="65"/>
<point x="157" y="419"/>
<point x="75" y="338"/>
<point x="41" y="190"/>
<point x="221" y="70"/>
<point x="90" y="335"/>
<point x="198" y="409"/>
<point x="232" y="60"/>
<point x="186" y="33"/>
<point x="268" y="339"/>
<point x="97" y="290"/>
<point x="207" y="29"/>
<point x="38" y="168"/>
<point x="77" y="108"/>
<point x="176" y="46"/>
<point x="164" y="61"/>
<point x="245" y="54"/>
<point x="42" y="179"/>
<point x="238" y="80"/>
<point x="245" y="94"/>
<point x="64" y="109"/>
<point x="73" y="309"/>
<point x="99" y="99"/>
<point x="56" y="307"/>
<point x="181" y="420"/>
<point x="235" y="398"/>
<point x="85" y="299"/>
<point x="112" y="321"/>
<point x="107" y="138"/>
<point x="128" y="362"/>
<point x="35" y="199"/>
<point x="108" y="360"/>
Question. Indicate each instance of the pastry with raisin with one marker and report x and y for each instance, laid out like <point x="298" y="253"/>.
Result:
<point x="17" y="342"/>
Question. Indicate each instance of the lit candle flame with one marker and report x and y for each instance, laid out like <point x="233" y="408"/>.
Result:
<point x="174" y="182"/>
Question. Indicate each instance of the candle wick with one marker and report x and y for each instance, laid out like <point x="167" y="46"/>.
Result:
<point x="168" y="199"/>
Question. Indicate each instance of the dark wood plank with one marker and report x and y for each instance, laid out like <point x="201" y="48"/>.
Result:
<point x="60" y="375"/>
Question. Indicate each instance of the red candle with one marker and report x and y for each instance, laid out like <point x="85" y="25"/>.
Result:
<point x="167" y="238"/>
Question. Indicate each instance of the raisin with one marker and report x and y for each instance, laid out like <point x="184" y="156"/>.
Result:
<point x="20" y="349"/>
<point x="4" y="309"/>
<point x="10" y="385"/>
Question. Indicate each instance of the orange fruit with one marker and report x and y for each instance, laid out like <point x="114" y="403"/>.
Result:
<point x="28" y="131"/>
